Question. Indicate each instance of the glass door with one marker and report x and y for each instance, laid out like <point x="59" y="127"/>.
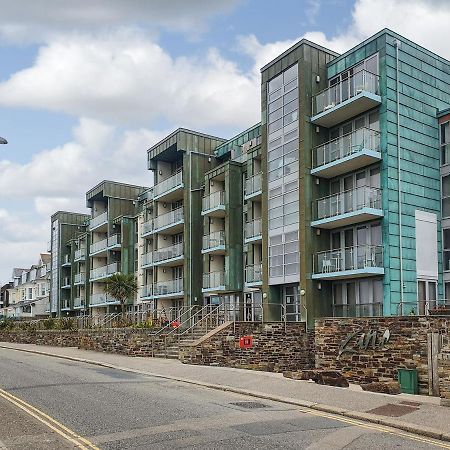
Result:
<point x="291" y="302"/>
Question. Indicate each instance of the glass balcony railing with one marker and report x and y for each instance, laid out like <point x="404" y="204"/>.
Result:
<point x="168" y="184"/>
<point x="113" y="268"/>
<point x="66" y="260"/>
<point x="101" y="299"/>
<point x="214" y="239"/>
<point x="213" y="280"/>
<point x="253" y="273"/>
<point x="346" y="145"/>
<point x="359" y="310"/>
<point x="253" y="229"/>
<point x="79" y="302"/>
<point x="98" y="272"/>
<point x="65" y="282"/>
<point x="98" y="246"/>
<point x="345" y="90"/>
<point x="147" y="259"/>
<point x="163" y="254"/>
<point x="169" y="287"/>
<point x="253" y="185"/>
<point x="167" y="219"/>
<point x="96" y="221"/>
<point x="147" y="291"/>
<point x="214" y="200"/>
<point x="348" y="201"/>
<point x="147" y="227"/>
<point x="114" y="240"/>
<point x="80" y="278"/>
<point x="348" y="258"/>
<point x="80" y="254"/>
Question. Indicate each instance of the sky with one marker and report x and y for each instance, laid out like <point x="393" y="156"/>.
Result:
<point x="87" y="87"/>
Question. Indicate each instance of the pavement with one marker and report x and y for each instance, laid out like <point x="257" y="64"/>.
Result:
<point x="421" y="415"/>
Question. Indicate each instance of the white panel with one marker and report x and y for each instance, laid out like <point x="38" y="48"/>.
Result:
<point x="426" y="245"/>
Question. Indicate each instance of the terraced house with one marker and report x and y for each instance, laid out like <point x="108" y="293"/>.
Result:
<point x="335" y="204"/>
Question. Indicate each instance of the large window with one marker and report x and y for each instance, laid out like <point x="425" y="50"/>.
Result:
<point x="445" y="143"/>
<point x="446" y="196"/>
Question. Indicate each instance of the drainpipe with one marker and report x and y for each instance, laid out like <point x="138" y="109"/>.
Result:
<point x="397" y="46"/>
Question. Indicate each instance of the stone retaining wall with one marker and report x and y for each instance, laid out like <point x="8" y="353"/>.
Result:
<point x="274" y="348"/>
<point x="57" y="338"/>
<point x="444" y="376"/>
<point x="406" y="348"/>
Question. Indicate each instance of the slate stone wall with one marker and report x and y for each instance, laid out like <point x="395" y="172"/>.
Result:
<point x="444" y="376"/>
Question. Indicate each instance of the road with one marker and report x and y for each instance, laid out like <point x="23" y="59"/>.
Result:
<point x="112" y="409"/>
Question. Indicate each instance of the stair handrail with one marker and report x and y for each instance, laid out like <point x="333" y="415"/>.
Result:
<point x="177" y="319"/>
<point x="214" y="309"/>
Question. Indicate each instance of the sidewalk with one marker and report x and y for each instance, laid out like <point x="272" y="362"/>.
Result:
<point x="428" y="418"/>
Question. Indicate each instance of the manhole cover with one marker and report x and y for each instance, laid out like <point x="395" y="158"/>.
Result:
<point x="249" y="405"/>
<point x="391" y="410"/>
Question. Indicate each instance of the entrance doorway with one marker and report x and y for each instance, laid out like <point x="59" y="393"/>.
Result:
<point x="291" y="303"/>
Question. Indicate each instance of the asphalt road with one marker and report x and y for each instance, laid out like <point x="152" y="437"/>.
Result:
<point x="119" y="410"/>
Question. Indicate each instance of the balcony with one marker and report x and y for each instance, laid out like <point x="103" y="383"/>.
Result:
<point x="80" y="254"/>
<point x="99" y="221"/>
<point x="98" y="247"/>
<point x="346" y="99"/>
<point x="253" y="187"/>
<point x="214" y="204"/>
<point x="213" y="281"/>
<point x="214" y="243"/>
<point x="102" y="299"/>
<point x="65" y="283"/>
<point x="169" y="256"/>
<point x="253" y="275"/>
<point x="147" y="291"/>
<point x="253" y="231"/>
<point x="346" y="153"/>
<point x="114" y="242"/>
<point x="173" y="288"/>
<point x="171" y="221"/>
<point x="348" y="207"/>
<point x="350" y="262"/>
<point x="359" y="310"/>
<point x="80" y="278"/>
<point x="170" y="188"/>
<point x="147" y="228"/>
<point x="79" y="302"/>
<point x="147" y="260"/>
<point x="66" y="261"/>
<point x="103" y="272"/>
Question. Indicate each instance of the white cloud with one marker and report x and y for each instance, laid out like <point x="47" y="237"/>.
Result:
<point x="124" y="77"/>
<point x="37" y="21"/>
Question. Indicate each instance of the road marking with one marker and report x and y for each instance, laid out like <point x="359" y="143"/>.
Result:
<point x="50" y="422"/>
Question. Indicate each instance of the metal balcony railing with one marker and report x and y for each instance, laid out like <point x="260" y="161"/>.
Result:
<point x="168" y="287"/>
<point x="214" y="200"/>
<point x="147" y="259"/>
<point x="80" y="253"/>
<point x="214" y="239"/>
<point x="114" y="240"/>
<point x="169" y="218"/>
<point x="253" y="184"/>
<point x="166" y="253"/>
<point x="253" y="229"/>
<point x="168" y="184"/>
<point x="346" y="89"/>
<point x="98" y="220"/>
<point x="98" y="246"/>
<point x="346" y="145"/>
<point x="348" y="258"/>
<point x="358" y="310"/>
<point x="213" y="280"/>
<point x="253" y="273"/>
<point x="65" y="282"/>
<point x="66" y="260"/>
<point x="348" y="201"/>
<point x="80" y="277"/>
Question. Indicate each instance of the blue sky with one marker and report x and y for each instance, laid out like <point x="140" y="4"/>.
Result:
<point x="86" y="87"/>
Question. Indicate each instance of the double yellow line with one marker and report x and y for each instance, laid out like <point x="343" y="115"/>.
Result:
<point x="48" y="421"/>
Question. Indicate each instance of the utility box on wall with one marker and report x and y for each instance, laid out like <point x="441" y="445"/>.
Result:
<point x="246" y="342"/>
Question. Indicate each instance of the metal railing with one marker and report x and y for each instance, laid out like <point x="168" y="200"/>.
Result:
<point x="113" y="240"/>
<point x="253" y="273"/>
<point x="164" y="220"/>
<point x="169" y="287"/>
<point x="147" y="227"/>
<point x="101" y="298"/>
<point x="423" y="307"/>
<point x="214" y="239"/>
<point x="147" y="259"/>
<point x="253" y="229"/>
<point x="168" y="184"/>
<point x="214" y="200"/>
<point x="346" y="89"/>
<point x="359" y="310"/>
<point x="213" y="280"/>
<point x="253" y="184"/>
<point x="346" y="145"/>
<point x="98" y="220"/>
<point x="98" y="246"/>
<point x="80" y="254"/>
<point x="66" y="260"/>
<point x="65" y="282"/>
<point x="348" y="258"/>
<point x="80" y="278"/>
<point x="147" y="291"/>
<point x="163" y="254"/>
<point x="348" y="201"/>
<point x="79" y="302"/>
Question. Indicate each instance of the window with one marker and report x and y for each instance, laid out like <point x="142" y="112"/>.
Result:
<point x="446" y="196"/>
<point x="445" y="143"/>
<point x="446" y="245"/>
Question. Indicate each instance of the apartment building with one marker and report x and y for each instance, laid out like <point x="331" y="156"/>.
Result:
<point x="27" y="295"/>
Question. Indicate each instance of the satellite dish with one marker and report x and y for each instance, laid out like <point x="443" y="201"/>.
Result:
<point x="3" y="141"/>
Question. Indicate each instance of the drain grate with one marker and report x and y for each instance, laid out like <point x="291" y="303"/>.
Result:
<point x="393" y="410"/>
<point x="249" y="405"/>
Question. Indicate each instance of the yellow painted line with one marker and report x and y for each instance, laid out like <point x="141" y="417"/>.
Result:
<point x="50" y="422"/>
<point x="377" y="427"/>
